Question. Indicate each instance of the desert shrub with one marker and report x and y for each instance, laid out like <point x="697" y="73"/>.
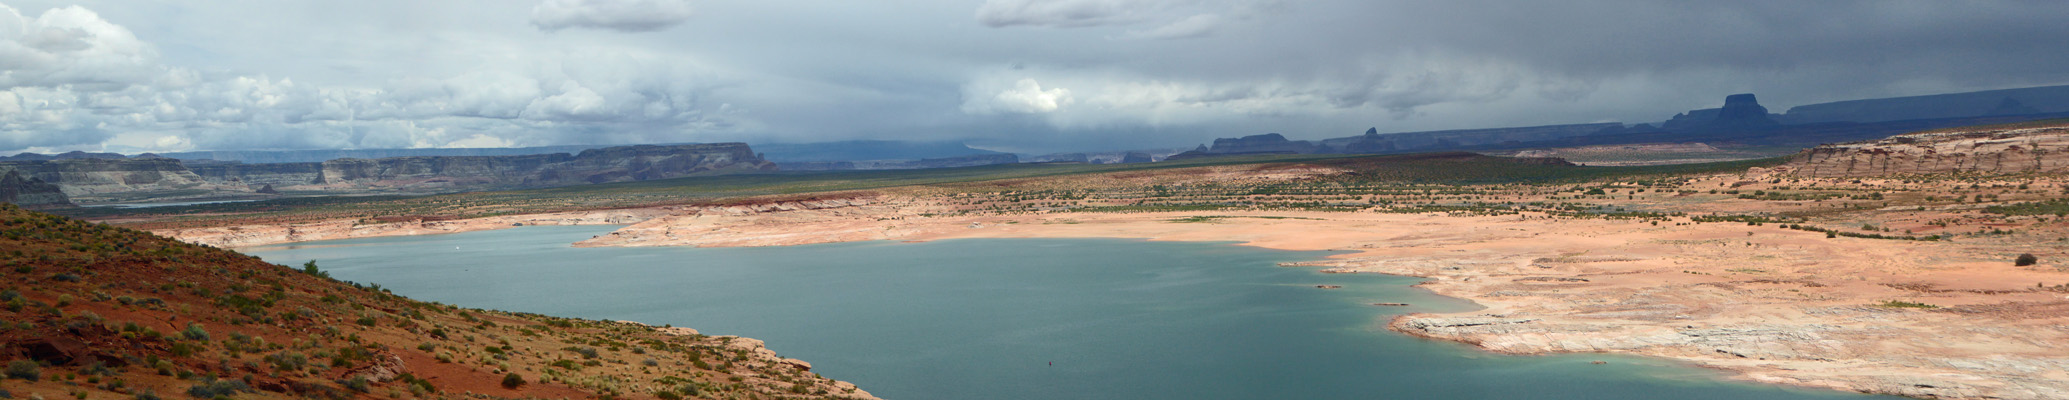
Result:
<point x="512" y="381"/>
<point x="194" y="332"/>
<point x="184" y="349"/>
<point x="25" y="370"/>
<point x="212" y="388"/>
<point x="357" y="384"/>
<point x="417" y="386"/>
<point x="2025" y="260"/>
<point x="668" y="395"/>
<point x="96" y="368"/>
<point x="148" y="395"/>
<point x="1907" y="304"/>
<point x="288" y="361"/>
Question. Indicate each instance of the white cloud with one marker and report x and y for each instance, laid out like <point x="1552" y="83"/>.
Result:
<point x="480" y="141"/>
<point x="573" y="102"/>
<point x="71" y="46"/>
<point x="618" y="15"/>
<point x="70" y="79"/>
<point x="1025" y="96"/>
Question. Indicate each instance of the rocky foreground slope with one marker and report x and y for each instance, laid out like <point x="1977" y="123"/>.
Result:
<point x="98" y="312"/>
<point x="2042" y="148"/>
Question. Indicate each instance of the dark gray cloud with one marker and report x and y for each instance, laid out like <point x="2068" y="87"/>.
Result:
<point x="619" y="15"/>
<point x="1032" y="75"/>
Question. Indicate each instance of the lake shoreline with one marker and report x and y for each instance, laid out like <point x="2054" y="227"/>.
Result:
<point x="1768" y="304"/>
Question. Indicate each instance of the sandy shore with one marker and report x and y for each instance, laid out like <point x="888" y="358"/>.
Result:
<point x="1774" y="305"/>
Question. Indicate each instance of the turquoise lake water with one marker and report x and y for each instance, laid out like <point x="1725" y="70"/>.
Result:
<point x="985" y="318"/>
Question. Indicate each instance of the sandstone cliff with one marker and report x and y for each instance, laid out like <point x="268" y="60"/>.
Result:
<point x="614" y="164"/>
<point x="1980" y="151"/>
<point x="99" y="177"/>
<point x="31" y="192"/>
<point x="259" y="175"/>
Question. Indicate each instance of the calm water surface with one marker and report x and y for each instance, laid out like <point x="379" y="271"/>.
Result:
<point x="985" y="318"/>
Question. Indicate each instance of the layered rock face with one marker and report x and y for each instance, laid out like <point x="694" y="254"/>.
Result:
<point x="259" y="175"/>
<point x="131" y="178"/>
<point x="97" y="176"/>
<point x="615" y="164"/>
<point x="31" y="192"/>
<point x="1983" y="151"/>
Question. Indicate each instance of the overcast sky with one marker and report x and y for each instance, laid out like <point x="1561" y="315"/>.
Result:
<point x="1015" y="75"/>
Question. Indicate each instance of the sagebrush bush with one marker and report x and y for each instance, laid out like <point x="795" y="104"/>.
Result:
<point x="24" y="370"/>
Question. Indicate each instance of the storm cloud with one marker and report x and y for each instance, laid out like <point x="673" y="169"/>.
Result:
<point x="621" y="15"/>
<point x="1021" y="75"/>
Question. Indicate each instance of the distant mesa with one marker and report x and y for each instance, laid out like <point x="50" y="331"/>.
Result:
<point x="1373" y="142"/>
<point x="1741" y="120"/>
<point x="1741" y="112"/>
<point x="2022" y="101"/>
<point x="1111" y="157"/>
<point x="74" y="155"/>
<point x="2011" y="106"/>
<point x="1270" y="143"/>
<point x="93" y="175"/>
<point x="944" y="162"/>
<point x="1062" y="158"/>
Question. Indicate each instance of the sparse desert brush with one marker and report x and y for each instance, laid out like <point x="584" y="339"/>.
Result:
<point x="25" y="370"/>
<point x="2026" y="260"/>
<point x="1906" y="304"/>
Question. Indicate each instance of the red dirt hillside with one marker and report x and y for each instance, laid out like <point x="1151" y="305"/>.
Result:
<point x="93" y="311"/>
